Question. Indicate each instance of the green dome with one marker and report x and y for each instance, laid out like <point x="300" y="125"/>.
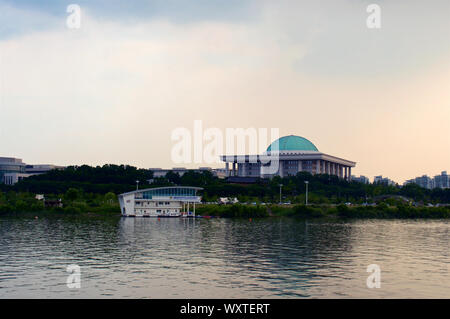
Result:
<point x="292" y="143"/>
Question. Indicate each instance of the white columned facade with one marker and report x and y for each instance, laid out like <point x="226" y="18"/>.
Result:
<point x="280" y="168"/>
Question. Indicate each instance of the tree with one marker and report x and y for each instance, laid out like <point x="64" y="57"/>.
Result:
<point x="110" y="197"/>
<point x="72" y="194"/>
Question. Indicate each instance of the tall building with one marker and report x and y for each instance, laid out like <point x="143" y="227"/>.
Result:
<point x="361" y="179"/>
<point x="383" y="180"/>
<point x="439" y="181"/>
<point x="424" y="181"/>
<point x="442" y="181"/>
<point x="292" y="154"/>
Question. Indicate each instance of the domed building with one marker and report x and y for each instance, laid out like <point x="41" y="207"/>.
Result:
<point x="286" y="156"/>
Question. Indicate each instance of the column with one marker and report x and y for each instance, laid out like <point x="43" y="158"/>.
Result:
<point x="317" y="166"/>
<point x="328" y="168"/>
<point x="234" y="169"/>
<point x="349" y="174"/>
<point x="244" y="169"/>
<point x="345" y="172"/>
<point x="227" y="169"/>
<point x="280" y="168"/>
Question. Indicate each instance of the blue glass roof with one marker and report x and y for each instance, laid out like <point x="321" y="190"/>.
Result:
<point x="167" y="191"/>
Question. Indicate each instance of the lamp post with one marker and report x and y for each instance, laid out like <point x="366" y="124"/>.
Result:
<point x="137" y="185"/>
<point x="281" y="185"/>
<point x="306" y="200"/>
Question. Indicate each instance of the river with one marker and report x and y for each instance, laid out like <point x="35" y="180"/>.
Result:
<point x="223" y="258"/>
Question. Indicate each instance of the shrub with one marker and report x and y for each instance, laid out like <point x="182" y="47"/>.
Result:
<point x="308" y="211"/>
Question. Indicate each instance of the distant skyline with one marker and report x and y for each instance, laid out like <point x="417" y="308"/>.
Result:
<point x="114" y="90"/>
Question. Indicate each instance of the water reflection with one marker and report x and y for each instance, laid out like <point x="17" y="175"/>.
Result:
<point x="222" y="258"/>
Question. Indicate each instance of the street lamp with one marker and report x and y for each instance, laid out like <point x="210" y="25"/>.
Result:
<point x="137" y="185"/>
<point x="306" y="182"/>
<point x="281" y="185"/>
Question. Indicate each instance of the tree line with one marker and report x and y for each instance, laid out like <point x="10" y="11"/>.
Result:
<point x="323" y="188"/>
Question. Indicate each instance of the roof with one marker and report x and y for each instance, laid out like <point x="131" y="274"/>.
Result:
<point x="160" y="188"/>
<point x="292" y="143"/>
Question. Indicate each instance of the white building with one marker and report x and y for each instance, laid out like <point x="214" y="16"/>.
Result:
<point x="293" y="154"/>
<point x="177" y="201"/>
<point x="13" y="170"/>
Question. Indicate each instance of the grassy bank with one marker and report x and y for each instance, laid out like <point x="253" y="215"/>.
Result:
<point x="232" y="211"/>
<point x="76" y="202"/>
<point x="73" y="202"/>
<point x="315" y="211"/>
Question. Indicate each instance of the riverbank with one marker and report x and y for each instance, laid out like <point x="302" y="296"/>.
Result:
<point x="22" y="208"/>
<point x="316" y="211"/>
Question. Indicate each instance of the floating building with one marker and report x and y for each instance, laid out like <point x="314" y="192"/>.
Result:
<point x="175" y="201"/>
<point x="293" y="154"/>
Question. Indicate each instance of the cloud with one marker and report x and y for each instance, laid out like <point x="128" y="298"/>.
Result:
<point x="175" y="11"/>
<point x="15" y="21"/>
<point x="413" y="35"/>
<point x="113" y="91"/>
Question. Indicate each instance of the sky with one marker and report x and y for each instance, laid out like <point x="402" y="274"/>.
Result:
<point x="114" y="90"/>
